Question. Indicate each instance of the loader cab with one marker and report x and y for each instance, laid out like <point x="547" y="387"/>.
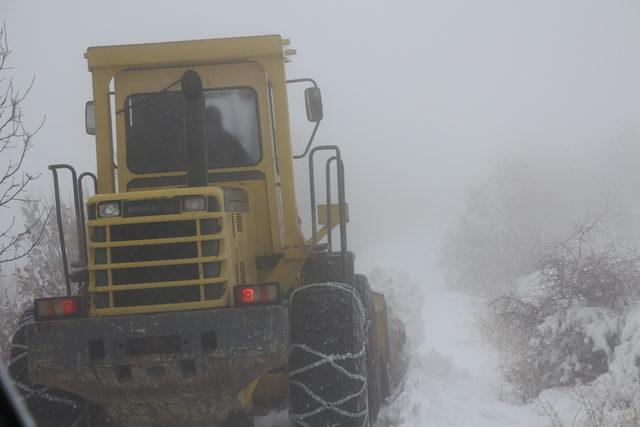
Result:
<point x="150" y="135"/>
<point x="154" y="131"/>
<point x="138" y="121"/>
<point x="239" y="217"/>
<point x="244" y="221"/>
<point x="150" y="128"/>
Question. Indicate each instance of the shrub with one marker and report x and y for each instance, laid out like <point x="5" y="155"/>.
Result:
<point x="562" y="324"/>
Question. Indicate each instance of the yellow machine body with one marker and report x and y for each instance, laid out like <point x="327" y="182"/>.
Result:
<point x="272" y="230"/>
<point x="164" y="328"/>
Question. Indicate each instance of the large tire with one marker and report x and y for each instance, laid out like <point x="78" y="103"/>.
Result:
<point x="49" y="407"/>
<point x="374" y="373"/>
<point x="328" y="361"/>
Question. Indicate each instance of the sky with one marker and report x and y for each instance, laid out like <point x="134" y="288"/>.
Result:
<point x="424" y="97"/>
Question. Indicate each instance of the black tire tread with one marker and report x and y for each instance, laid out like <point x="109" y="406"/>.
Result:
<point x="373" y="364"/>
<point x="328" y="318"/>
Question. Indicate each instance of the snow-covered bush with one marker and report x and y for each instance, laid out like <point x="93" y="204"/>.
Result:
<point x="586" y="270"/>
<point x="612" y="398"/>
<point x="560" y="326"/>
<point x="575" y="345"/>
<point x="509" y="326"/>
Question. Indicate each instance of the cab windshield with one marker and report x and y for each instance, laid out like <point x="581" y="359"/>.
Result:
<point x="155" y="130"/>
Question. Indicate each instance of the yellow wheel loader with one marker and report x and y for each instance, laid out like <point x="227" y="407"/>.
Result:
<point x="196" y="299"/>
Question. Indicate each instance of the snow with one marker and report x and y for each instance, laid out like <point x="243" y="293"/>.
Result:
<point x="597" y="324"/>
<point x="274" y="419"/>
<point x="451" y="379"/>
<point x="612" y="399"/>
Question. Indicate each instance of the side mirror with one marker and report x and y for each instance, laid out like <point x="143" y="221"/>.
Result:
<point x="313" y="103"/>
<point x="90" y="118"/>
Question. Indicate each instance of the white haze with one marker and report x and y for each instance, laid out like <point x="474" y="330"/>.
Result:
<point x="424" y="97"/>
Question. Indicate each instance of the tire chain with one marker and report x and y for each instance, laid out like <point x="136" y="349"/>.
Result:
<point x="331" y="359"/>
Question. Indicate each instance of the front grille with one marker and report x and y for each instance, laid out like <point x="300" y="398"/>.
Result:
<point x="154" y="296"/>
<point x="126" y="272"/>
<point x="152" y="230"/>
<point x="163" y="273"/>
<point x="154" y="252"/>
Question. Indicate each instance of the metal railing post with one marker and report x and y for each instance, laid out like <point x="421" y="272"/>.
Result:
<point x="341" y="201"/>
<point x="329" y="219"/>
<point x="63" y="246"/>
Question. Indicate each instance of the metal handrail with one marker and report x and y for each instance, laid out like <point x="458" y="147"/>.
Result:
<point x="56" y="190"/>
<point x="341" y="201"/>
<point x="81" y="177"/>
<point x="78" y="203"/>
<point x="328" y="197"/>
<point x="83" y="219"/>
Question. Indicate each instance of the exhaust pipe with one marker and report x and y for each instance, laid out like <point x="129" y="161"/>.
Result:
<point x="196" y="130"/>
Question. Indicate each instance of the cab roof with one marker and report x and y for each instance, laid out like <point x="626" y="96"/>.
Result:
<point x="191" y="52"/>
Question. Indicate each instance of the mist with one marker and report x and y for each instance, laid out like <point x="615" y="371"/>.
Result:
<point x="423" y="97"/>
<point x="427" y="100"/>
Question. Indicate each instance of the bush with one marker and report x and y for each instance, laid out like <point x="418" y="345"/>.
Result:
<point x="585" y="271"/>
<point x="613" y="398"/>
<point x="562" y="324"/>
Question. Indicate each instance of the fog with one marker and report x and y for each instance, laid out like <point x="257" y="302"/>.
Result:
<point x="424" y="97"/>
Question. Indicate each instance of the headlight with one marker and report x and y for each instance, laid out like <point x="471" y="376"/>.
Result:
<point x="108" y="209"/>
<point x="193" y="203"/>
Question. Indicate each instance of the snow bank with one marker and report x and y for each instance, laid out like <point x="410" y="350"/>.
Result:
<point x="405" y="300"/>
<point x="419" y="397"/>
<point x="614" y="397"/>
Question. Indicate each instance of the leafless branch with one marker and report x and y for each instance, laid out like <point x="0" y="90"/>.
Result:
<point x="13" y="242"/>
<point x="16" y="139"/>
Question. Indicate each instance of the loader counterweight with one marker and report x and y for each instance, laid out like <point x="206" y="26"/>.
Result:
<point x="197" y="354"/>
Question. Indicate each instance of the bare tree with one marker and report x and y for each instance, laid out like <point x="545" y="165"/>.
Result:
<point x="15" y="141"/>
<point x="40" y="273"/>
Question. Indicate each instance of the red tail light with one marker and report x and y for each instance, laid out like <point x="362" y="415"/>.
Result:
<point x="247" y="295"/>
<point x="47" y="308"/>
<point x="257" y="294"/>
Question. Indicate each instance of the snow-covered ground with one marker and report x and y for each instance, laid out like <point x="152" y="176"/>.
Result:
<point x="451" y="379"/>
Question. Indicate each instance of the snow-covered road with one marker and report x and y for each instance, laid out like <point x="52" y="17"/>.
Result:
<point x="451" y="379"/>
